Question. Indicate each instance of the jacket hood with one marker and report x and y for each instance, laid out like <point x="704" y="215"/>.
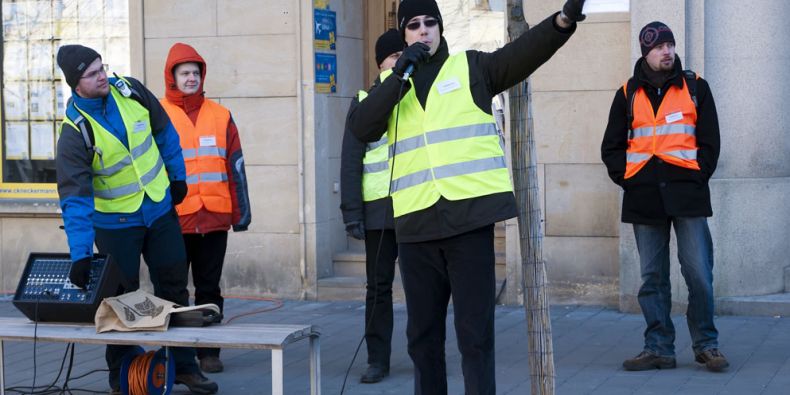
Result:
<point x="183" y="53"/>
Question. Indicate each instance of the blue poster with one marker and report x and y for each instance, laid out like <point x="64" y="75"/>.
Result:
<point x="325" y="73"/>
<point x="325" y="30"/>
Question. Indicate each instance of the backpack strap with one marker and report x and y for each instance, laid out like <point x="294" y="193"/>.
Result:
<point x="629" y="89"/>
<point x="691" y="81"/>
<point x="124" y="87"/>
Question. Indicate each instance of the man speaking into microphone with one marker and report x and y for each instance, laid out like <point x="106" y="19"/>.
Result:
<point x="450" y="182"/>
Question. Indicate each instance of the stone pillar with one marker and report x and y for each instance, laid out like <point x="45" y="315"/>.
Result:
<point x="740" y="49"/>
<point x="746" y="64"/>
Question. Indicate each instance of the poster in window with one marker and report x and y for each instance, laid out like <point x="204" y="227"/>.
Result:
<point x="40" y="53"/>
<point x="16" y="143"/>
<point x="42" y="141"/>
<point x="14" y="60"/>
<point x="39" y="19"/>
<point x="325" y="72"/>
<point x="41" y="101"/>
<point x="15" y="98"/>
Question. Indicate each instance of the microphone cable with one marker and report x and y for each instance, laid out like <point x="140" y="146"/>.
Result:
<point x="381" y="238"/>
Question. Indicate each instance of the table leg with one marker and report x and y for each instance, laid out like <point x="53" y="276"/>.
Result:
<point x="2" y="370"/>
<point x="277" y="372"/>
<point x="315" y="365"/>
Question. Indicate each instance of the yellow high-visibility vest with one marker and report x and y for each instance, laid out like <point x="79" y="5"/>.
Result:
<point x="375" y="167"/>
<point x="450" y="149"/>
<point x="121" y="176"/>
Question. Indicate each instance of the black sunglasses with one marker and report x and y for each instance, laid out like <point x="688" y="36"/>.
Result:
<point x="427" y="22"/>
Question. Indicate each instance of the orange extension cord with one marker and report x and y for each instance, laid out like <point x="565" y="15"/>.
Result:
<point x="138" y="374"/>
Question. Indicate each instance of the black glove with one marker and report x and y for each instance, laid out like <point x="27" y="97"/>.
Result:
<point x="413" y="55"/>
<point x="356" y="230"/>
<point x="178" y="190"/>
<point x="80" y="272"/>
<point x="573" y="10"/>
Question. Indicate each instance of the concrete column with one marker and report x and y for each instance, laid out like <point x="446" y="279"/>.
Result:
<point x="746" y="63"/>
<point x="742" y="48"/>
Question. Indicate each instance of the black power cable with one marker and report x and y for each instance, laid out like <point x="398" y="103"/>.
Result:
<point x="381" y="240"/>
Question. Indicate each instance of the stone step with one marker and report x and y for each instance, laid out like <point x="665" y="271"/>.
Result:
<point x="773" y="305"/>
<point x="352" y="263"/>
<point x="353" y="288"/>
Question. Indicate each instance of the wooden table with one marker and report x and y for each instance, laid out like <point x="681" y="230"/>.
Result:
<point x="245" y="336"/>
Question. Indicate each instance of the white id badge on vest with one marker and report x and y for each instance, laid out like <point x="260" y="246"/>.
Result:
<point x="140" y="126"/>
<point x="448" y="86"/>
<point x="208" y="141"/>
<point x="674" y="117"/>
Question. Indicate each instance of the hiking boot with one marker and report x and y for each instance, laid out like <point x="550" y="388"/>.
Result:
<point x="374" y="374"/>
<point x="211" y="364"/>
<point x="647" y="360"/>
<point x="197" y="383"/>
<point x="713" y="359"/>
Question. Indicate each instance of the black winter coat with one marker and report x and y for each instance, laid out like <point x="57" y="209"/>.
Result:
<point x="660" y="190"/>
<point x="489" y="74"/>
<point x="376" y="214"/>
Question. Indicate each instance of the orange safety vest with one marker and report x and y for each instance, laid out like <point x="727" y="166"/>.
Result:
<point x="669" y="134"/>
<point x="204" y="147"/>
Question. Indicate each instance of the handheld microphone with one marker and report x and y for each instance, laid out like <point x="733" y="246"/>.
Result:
<point x="409" y="70"/>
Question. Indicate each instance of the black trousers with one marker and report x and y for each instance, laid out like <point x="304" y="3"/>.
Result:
<point x="206" y="255"/>
<point x="462" y="267"/>
<point x="378" y="331"/>
<point x="162" y="249"/>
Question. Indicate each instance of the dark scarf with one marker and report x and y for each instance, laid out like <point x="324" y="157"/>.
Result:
<point x="657" y="79"/>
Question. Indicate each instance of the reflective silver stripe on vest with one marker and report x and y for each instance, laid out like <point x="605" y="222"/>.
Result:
<point x="213" y="177"/>
<point x="372" y="146"/>
<point x="211" y="151"/>
<point x="635" y="157"/>
<point x="203" y="151"/>
<point x="108" y="171"/>
<point x="129" y="189"/>
<point x="446" y="171"/>
<point x="690" y="154"/>
<point x="375" y="167"/>
<point x="142" y="148"/>
<point x="444" y="135"/>
<point x="207" y="177"/>
<point x="675" y="128"/>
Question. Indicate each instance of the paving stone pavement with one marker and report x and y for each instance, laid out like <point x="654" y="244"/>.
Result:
<point x="590" y="343"/>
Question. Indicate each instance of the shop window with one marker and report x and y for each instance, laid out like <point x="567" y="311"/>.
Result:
<point x="34" y="93"/>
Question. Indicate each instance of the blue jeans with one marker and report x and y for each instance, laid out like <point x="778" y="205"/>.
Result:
<point x="695" y="252"/>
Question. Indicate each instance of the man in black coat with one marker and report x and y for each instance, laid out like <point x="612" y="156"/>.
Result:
<point x="446" y="246"/>
<point x="661" y="146"/>
<point x="367" y="213"/>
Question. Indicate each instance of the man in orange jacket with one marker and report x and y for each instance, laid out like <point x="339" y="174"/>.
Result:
<point x="217" y="197"/>
<point x="662" y="146"/>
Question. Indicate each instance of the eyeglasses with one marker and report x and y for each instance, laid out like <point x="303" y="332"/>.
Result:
<point x="427" y="22"/>
<point x="95" y="73"/>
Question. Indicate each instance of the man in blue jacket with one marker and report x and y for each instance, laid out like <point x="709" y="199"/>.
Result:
<point x="120" y="171"/>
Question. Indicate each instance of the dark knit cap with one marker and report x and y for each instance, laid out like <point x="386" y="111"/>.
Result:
<point x="410" y="8"/>
<point x="73" y="60"/>
<point x="653" y="34"/>
<point x="387" y="44"/>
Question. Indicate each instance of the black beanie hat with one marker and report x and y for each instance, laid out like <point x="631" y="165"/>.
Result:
<point x="653" y="34"/>
<point x="387" y="44"/>
<point x="73" y="60"/>
<point x="410" y="8"/>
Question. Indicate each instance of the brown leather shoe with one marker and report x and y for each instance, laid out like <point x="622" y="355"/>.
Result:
<point x="211" y="364"/>
<point x="713" y="359"/>
<point x="647" y="361"/>
<point x="197" y="383"/>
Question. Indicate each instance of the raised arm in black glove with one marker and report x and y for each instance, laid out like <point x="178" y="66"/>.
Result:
<point x="80" y="272"/>
<point x="413" y="55"/>
<point x="356" y="229"/>
<point x="178" y="190"/>
<point x="573" y="10"/>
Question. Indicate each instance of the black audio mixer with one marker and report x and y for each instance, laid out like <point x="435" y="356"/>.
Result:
<point x="45" y="293"/>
